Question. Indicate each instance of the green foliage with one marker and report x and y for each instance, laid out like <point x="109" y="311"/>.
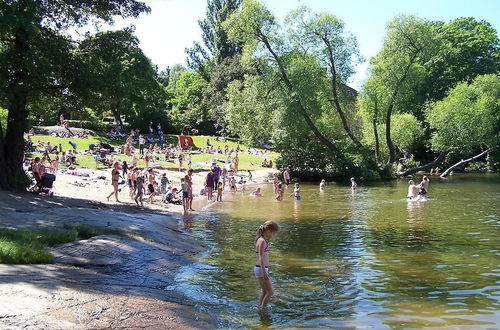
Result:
<point x="3" y="120"/>
<point x="188" y="110"/>
<point x="252" y="109"/>
<point x="123" y="79"/>
<point x="216" y="47"/>
<point x="36" y="62"/>
<point x="469" y="48"/>
<point x="406" y="130"/>
<point x="468" y="117"/>
<point x="229" y="70"/>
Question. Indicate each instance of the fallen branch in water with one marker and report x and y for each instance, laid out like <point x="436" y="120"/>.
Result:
<point x="466" y="161"/>
<point x="427" y="166"/>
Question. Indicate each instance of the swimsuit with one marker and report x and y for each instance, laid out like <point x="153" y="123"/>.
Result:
<point x="256" y="268"/>
<point x="422" y="191"/>
<point x="257" y="272"/>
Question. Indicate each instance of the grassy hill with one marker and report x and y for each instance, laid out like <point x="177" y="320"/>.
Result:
<point x="200" y="161"/>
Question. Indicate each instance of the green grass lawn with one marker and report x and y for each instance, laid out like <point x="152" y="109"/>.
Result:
<point x="29" y="246"/>
<point x="199" y="161"/>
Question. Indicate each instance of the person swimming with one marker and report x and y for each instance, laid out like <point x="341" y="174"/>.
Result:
<point x="256" y="193"/>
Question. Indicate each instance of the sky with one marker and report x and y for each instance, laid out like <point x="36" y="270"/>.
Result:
<point x="172" y="25"/>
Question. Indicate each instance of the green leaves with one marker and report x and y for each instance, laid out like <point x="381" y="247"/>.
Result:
<point x="468" y="117"/>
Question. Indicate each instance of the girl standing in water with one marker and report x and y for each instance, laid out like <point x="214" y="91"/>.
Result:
<point x="261" y="270"/>
<point x="296" y="192"/>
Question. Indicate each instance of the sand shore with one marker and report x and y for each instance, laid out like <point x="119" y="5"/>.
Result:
<point x="107" y="281"/>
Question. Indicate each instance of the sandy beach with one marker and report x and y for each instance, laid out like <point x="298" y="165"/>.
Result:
<point x="106" y="281"/>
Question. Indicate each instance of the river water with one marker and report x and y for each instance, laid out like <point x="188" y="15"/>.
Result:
<point x="367" y="259"/>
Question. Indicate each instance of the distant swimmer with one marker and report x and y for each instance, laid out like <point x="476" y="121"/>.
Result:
<point x="256" y="193"/>
<point x="412" y="191"/>
<point x="322" y="184"/>
<point x="354" y="185"/>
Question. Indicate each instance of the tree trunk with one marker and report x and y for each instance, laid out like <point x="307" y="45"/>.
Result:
<point x="12" y="149"/>
<point x="298" y="101"/>
<point x="335" y="99"/>
<point x="427" y="166"/>
<point x="390" y="106"/>
<point x="377" y="143"/>
<point x="116" y="114"/>
<point x="466" y="161"/>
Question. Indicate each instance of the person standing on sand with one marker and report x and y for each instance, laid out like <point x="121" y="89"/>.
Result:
<point x="139" y="191"/>
<point x="265" y="232"/>
<point x="147" y="158"/>
<point x="236" y="163"/>
<point x="210" y="184"/>
<point x="189" y="180"/>
<point x="142" y="141"/>
<point x="220" y="188"/>
<point x="185" y="195"/>
<point x="180" y="158"/>
<point x="115" y="177"/>
<point x="216" y="170"/>
<point x="151" y="189"/>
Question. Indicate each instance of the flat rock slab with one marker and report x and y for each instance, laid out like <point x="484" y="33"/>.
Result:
<point x="107" y="281"/>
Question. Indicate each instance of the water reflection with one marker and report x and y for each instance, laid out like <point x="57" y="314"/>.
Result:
<point x="344" y="259"/>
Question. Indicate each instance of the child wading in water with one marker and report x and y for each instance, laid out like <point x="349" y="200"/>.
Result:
<point x="261" y="270"/>
<point x="296" y="192"/>
<point x="220" y="188"/>
<point x="354" y="185"/>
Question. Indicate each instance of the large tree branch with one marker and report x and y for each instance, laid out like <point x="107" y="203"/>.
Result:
<point x="427" y="166"/>
<point x="466" y="161"/>
<point x="390" y="106"/>
<point x="335" y="99"/>
<point x="296" y="98"/>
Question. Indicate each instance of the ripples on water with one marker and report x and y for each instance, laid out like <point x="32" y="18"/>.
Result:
<point x="355" y="260"/>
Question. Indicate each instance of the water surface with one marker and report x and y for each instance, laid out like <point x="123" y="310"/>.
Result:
<point x="362" y="259"/>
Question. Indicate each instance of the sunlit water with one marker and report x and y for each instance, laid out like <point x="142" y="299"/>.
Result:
<point x="368" y="259"/>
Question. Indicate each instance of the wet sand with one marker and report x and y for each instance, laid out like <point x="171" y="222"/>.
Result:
<point x="107" y="281"/>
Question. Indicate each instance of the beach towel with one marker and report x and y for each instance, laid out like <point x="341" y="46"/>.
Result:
<point x="186" y="142"/>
